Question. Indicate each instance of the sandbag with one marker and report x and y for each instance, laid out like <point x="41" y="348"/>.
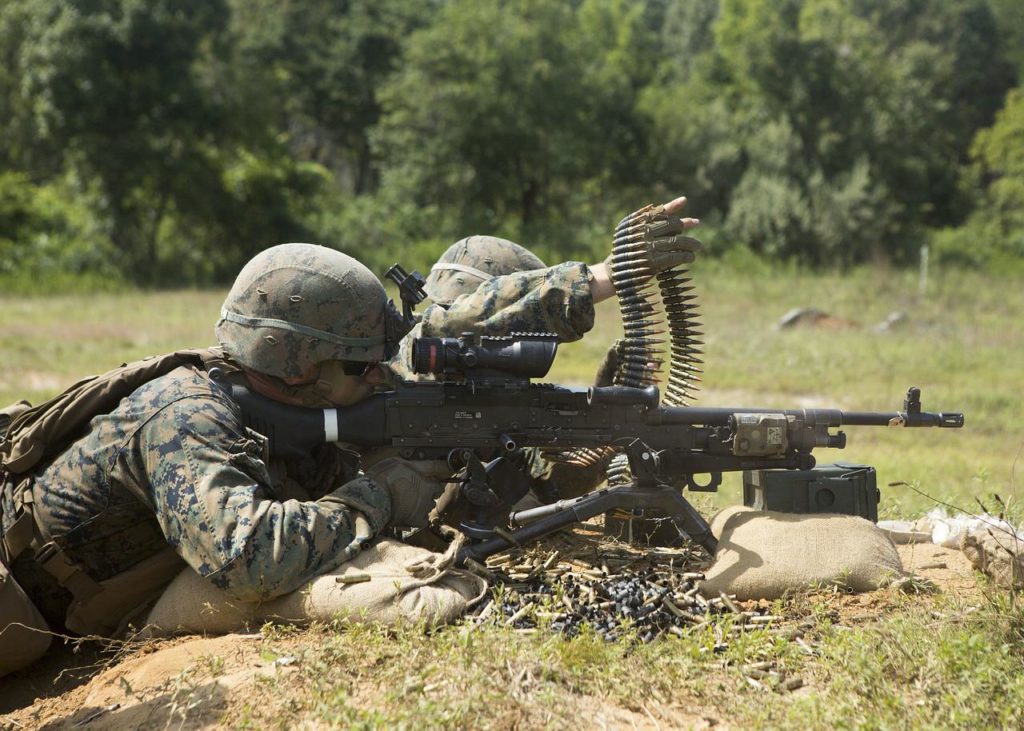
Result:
<point x="764" y="554"/>
<point x="997" y="554"/>
<point x="390" y="582"/>
<point x="191" y="603"/>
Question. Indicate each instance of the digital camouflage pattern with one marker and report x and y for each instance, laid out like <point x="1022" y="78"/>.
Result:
<point x="555" y="300"/>
<point x="296" y="305"/>
<point x="471" y="261"/>
<point x="173" y="464"/>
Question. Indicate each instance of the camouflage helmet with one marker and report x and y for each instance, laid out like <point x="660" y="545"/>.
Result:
<point x="471" y="261"/>
<point x="296" y="305"/>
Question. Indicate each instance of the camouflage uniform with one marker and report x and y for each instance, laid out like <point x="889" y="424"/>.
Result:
<point x="555" y="300"/>
<point x="475" y="259"/>
<point x="174" y="465"/>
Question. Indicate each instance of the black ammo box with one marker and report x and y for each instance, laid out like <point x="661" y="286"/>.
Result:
<point x="844" y="488"/>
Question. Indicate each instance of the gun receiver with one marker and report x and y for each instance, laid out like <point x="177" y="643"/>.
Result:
<point x="486" y="416"/>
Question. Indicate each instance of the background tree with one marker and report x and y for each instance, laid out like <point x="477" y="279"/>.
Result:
<point x="113" y="84"/>
<point x="516" y="115"/>
<point x="832" y="131"/>
<point x="993" y="235"/>
<point x="165" y="142"/>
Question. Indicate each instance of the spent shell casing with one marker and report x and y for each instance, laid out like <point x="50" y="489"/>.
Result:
<point x="352" y="578"/>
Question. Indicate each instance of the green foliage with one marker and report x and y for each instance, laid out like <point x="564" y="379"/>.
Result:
<point x="113" y="84"/>
<point x="827" y="132"/>
<point x="380" y="230"/>
<point x="993" y="236"/>
<point x="1010" y="20"/>
<point x="324" y="61"/>
<point x="836" y="121"/>
<point x="49" y="237"/>
<point x="259" y="201"/>
<point x="511" y="114"/>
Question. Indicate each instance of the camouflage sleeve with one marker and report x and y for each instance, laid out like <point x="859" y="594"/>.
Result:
<point x="555" y="300"/>
<point x="400" y="366"/>
<point x="214" y="502"/>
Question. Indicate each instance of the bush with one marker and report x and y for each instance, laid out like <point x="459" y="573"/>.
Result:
<point x="51" y="240"/>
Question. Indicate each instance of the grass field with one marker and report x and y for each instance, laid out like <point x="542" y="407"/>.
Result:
<point x="948" y="660"/>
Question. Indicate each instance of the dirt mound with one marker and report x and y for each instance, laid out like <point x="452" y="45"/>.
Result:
<point x="198" y="682"/>
<point x="156" y="685"/>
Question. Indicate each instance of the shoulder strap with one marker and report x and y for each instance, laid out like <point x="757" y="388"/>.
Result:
<point x="46" y="429"/>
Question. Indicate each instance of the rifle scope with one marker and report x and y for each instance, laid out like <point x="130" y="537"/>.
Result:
<point x="523" y="356"/>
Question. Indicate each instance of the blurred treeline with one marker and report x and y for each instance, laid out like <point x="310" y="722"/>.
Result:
<point x="163" y="142"/>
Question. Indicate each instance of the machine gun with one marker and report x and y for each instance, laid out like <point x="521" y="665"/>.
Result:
<point x="484" y="408"/>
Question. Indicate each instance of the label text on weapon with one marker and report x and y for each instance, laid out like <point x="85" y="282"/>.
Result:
<point x="775" y="435"/>
<point x="467" y="415"/>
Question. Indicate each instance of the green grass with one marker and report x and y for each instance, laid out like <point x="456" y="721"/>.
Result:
<point x="48" y="343"/>
<point x="923" y="664"/>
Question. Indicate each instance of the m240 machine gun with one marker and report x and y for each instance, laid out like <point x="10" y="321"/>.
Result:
<point x="484" y="408"/>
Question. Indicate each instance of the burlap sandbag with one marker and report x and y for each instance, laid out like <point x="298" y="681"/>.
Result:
<point x="405" y="584"/>
<point x="997" y="554"/>
<point x="192" y="604"/>
<point x="764" y="554"/>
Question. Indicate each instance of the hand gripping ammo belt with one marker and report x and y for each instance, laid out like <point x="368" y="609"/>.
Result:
<point x="650" y="304"/>
<point x="35" y="433"/>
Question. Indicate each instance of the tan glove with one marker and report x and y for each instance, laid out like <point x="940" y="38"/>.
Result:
<point x="658" y="232"/>
<point x="413" y="485"/>
<point x="666" y="248"/>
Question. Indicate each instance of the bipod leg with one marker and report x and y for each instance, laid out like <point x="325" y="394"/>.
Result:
<point x="551" y="518"/>
<point x="686" y="518"/>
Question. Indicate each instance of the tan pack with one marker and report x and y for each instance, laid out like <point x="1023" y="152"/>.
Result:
<point x="42" y="431"/>
<point x="24" y="634"/>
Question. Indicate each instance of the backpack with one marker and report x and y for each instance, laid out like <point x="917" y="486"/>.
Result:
<point x="29" y="434"/>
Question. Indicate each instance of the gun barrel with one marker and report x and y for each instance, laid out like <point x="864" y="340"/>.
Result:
<point x="940" y="420"/>
<point x="825" y="417"/>
<point x="723" y="416"/>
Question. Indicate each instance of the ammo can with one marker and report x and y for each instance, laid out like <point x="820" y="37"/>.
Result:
<point x="849" y="489"/>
